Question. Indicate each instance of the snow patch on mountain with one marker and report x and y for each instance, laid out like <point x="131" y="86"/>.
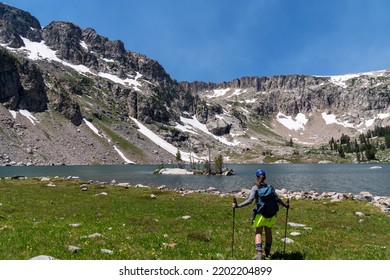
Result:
<point x="297" y="123"/>
<point x="185" y="156"/>
<point x="341" y="80"/>
<point x="362" y="126"/>
<point x="332" y="119"/>
<point x="93" y="128"/>
<point x="84" y="45"/>
<point x="238" y="92"/>
<point x="193" y="124"/>
<point x="370" y="122"/>
<point x="225" y="92"/>
<point x="26" y="114"/>
<point x="250" y="100"/>
<point x="98" y="132"/>
<point x="125" y="82"/>
<point x="218" y="93"/>
<point x="120" y="153"/>
<point x="40" y="51"/>
<point x="300" y="120"/>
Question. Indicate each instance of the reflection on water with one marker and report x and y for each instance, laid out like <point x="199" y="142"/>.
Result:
<point x="344" y="178"/>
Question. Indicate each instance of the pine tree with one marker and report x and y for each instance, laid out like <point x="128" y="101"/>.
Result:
<point x="206" y="167"/>
<point x="291" y="143"/>
<point x="178" y="157"/>
<point x="387" y="141"/>
<point x="218" y="164"/>
<point x="370" y="152"/>
<point x="341" y="151"/>
<point x="331" y="143"/>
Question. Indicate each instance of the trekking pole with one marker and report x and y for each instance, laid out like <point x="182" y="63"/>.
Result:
<point x="285" y="228"/>
<point x="234" y="217"/>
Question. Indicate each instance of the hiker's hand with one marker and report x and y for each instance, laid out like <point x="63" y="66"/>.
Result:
<point x="234" y="204"/>
<point x="287" y="206"/>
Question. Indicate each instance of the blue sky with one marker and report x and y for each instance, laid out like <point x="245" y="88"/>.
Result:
<point x="220" y="40"/>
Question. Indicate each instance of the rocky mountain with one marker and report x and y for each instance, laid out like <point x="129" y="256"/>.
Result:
<point x="71" y="96"/>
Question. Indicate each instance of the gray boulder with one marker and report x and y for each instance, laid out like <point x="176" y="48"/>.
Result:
<point x="43" y="258"/>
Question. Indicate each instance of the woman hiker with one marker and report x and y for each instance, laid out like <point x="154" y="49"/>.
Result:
<point x="265" y="213"/>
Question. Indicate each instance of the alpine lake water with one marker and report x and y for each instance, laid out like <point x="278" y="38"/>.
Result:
<point x="343" y="178"/>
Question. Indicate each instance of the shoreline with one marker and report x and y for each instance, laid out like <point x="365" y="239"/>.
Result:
<point x="382" y="202"/>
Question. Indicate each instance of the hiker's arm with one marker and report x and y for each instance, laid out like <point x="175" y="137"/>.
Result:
<point x="249" y="200"/>
<point x="286" y="205"/>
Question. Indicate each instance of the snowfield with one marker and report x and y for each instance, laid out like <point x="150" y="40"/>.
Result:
<point x="164" y="144"/>
<point x="340" y="80"/>
<point x="93" y="128"/>
<point x="26" y="114"/>
<point x="293" y="124"/>
<point x="40" y="51"/>
<point x="193" y="124"/>
<point x="300" y="120"/>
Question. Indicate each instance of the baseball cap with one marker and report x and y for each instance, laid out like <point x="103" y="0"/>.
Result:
<point x="260" y="172"/>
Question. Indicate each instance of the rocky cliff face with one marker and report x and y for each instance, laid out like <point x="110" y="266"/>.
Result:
<point x="355" y="102"/>
<point x="71" y="96"/>
<point x="366" y="94"/>
<point x="15" y="23"/>
<point x="21" y="84"/>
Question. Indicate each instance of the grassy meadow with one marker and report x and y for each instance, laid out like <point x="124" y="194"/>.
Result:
<point x="126" y="223"/>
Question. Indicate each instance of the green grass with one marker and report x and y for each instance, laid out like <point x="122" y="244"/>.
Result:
<point x="259" y="125"/>
<point x="35" y="220"/>
<point x="122" y="142"/>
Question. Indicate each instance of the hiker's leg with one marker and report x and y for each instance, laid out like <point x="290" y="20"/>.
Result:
<point x="259" y="231"/>
<point x="268" y="240"/>
<point x="259" y="249"/>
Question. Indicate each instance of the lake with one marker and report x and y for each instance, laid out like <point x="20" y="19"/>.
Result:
<point x="344" y="178"/>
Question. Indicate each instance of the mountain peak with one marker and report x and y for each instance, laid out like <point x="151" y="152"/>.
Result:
<point x="15" y="23"/>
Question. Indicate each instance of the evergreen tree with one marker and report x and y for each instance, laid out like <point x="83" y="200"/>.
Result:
<point x="362" y="139"/>
<point x="206" y="167"/>
<point x="387" y="141"/>
<point x="341" y="151"/>
<point x="358" y="157"/>
<point x="331" y="143"/>
<point x="178" y="157"/>
<point x="370" y="152"/>
<point x="344" y="139"/>
<point x="218" y="164"/>
<point x="290" y="143"/>
<point x="357" y="152"/>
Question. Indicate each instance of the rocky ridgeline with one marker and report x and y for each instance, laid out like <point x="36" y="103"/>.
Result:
<point x="361" y="96"/>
